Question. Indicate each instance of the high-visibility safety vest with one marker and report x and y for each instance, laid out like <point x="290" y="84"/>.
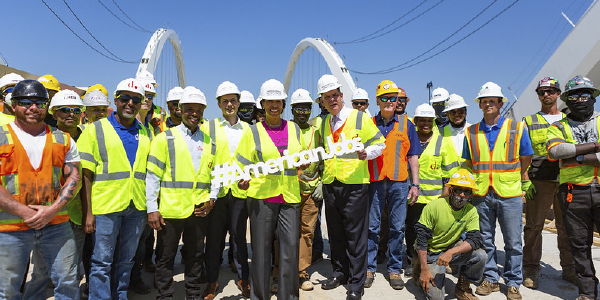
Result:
<point x="219" y="147"/>
<point x="256" y="146"/>
<point x="115" y="184"/>
<point x="392" y="163"/>
<point x="181" y="187"/>
<point x="30" y="186"/>
<point x="75" y="206"/>
<point x="500" y="169"/>
<point x="537" y="127"/>
<point x="347" y="168"/>
<point x="309" y="178"/>
<point x="5" y="119"/>
<point x="561" y="132"/>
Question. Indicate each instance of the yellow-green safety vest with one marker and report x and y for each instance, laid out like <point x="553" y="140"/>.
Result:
<point x="537" y="127"/>
<point x="309" y="178"/>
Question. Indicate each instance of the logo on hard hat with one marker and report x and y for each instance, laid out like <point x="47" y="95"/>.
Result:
<point x="131" y="84"/>
<point x="274" y="93"/>
<point x="386" y="86"/>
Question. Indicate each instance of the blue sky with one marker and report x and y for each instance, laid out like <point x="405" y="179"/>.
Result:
<point x="249" y="42"/>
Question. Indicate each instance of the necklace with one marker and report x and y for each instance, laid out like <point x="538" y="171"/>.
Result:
<point x="273" y="127"/>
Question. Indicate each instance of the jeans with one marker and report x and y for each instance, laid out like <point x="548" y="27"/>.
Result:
<point x="470" y="265"/>
<point x="395" y="192"/>
<point x="125" y="226"/>
<point x="57" y="248"/>
<point x="509" y="213"/>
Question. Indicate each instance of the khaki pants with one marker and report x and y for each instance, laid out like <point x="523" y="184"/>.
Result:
<point x="537" y="209"/>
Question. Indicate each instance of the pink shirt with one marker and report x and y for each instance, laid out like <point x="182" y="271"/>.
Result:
<point x="279" y="136"/>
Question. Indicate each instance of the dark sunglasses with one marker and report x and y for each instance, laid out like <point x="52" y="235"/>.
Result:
<point x="458" y="111"/>
<point x="68" y="110"/>
<point x="149" y="97"/>
<point x="459" y="191"/>
<point x="549" y="91"/>
<point x="7" y="90"/>
<point x="126" y="98"/>
<point x="402" y="100"/>
<point x="582" y="96"/>
<point x="174" y="102"/>
<point x="302" y="110"/>
<point x="390" y="98"/>
<point x="246" y="109"/>
<point x="28" y="103"/>
<point x="361" y="103"/>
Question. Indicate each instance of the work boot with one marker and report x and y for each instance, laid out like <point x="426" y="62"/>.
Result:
<point x="396" y="281"/>
<point x="244" y="287"/>
<point x="584" y="298"/>
<point x="486" y="288"/>
<point x="370" y="279"/>
<point x="571" y="276"/>
<point x="513" y="293"/>
<point x="463" y="290"/>
<point x="211" y="291"/>
<point x="530" y="280"/>
<point x="408" y="272"/>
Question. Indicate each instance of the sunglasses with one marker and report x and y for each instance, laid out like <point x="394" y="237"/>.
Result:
<point x="7" y="90"/>
<point x="459" y="191"/>
<point x="549" y="91"/>
<point x="246" y="109"/>
<point x="302" y="110"/>
<point x="390" y="98"/>
<point x="402" y="100"/>
<point x="361" y="103"/>
<point x="68" y="110"/>
<point x="458" y="111"/>
<point x="150" y="97"/>
<point x="126" y="98"/>
<point x="29" y="103"/>
<point x="582" y="96"/>
<point x="174" y="102"/>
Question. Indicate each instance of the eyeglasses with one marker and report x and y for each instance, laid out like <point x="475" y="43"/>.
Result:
<point x="68" y="110"/>
<point x="126" y="98"/>
<point x="467" y="192"/>
<point x="302" y="110"/>
<point x="458" y="111"/>
<point x="361" y="103"/>
<point x="583" y="97"/>
<point x="402" y="99"/>
<point x="174" y="102"/>
<point x="246" y="109"/>
<point x="390" y="98"/>
<point x="549" y="91"/>
<point x="28" y="103"/>
<point x="150" y="97"/>
<point x="7" y="90"/>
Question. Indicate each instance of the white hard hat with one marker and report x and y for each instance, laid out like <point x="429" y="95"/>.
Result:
<point x="455" y="101"/>
<point x="175" y="94"/>
<point x="10" y="79"/>
<point x="272" y="89"/>
<point x="192" y="95"/>
<point x="424" y="111"/>
<point x="360" y="94"/>
<point x="149" y="87"/>
<point x="301" y="96"/>
<point x="7" y="99"/>
<point x="145" y="75"/>
<point x="226" y="88"/>
<point x="258" y="105"/>
<point x="490" y="89"/>
<point x="95" y="98"/>
<point x="439" y="94"/>
<point x="65" y="97"/>
<point x="131" y="85"/>
<point x="327" y="83"/>
<point x="246" y="97"/>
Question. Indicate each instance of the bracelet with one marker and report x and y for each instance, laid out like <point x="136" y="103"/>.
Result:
<point x="416" y="185"/>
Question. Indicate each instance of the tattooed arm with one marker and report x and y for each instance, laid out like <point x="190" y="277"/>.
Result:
<point x="45" y="214"/>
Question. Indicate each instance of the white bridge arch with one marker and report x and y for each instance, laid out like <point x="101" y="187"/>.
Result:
<point x="333" y="60"/>
<point x="154" y="49"/>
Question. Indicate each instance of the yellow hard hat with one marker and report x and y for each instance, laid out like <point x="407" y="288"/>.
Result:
<point x="462" y="178"/>
<point x="98" y="87"/>
<point x="50" y="83"/>
<point x="385" y="87"/>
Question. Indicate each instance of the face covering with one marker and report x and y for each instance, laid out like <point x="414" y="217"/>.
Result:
<point x="581" y="111"/>
<point x="245" y="116"/>
<point x="458" y="202"/>
<point x="440" y="116"/>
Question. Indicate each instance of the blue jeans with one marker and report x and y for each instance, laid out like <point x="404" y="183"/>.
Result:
<point x="125" y="227"/>
<point x="57" y="248"/>
<point x="395" y="192"/>
<point x="470" y="265"/>
<point x="509" y="213"/>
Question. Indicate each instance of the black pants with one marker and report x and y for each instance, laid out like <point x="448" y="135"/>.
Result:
<point x="194" y="230"/>
<point x="228" y="212"/>
<point x="347" y="213"/>
<point x="413" y="214"/>
<point x="580" y="215"/>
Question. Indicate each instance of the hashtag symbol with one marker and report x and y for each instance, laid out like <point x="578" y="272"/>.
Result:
<point x="222" y="174"/>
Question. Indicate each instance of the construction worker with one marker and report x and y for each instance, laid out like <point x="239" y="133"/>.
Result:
<point x="389" y="182"/>
<point x="574" y="141"/>
<point x="454" y="132"/>
<point x="146" y="112"/>
<point x="96" y="106"/>
<point x="273" y="199"/>
<point x="402" y="101"/>
<point x="114" y="152"/>
<point x="438" y="102"/>
<point x="52" y="86"/>
<point x="317" y="243"/>
<point x="230" y="211"/>
<point x="183" y="187"/>
<point x="174" y="117"/>
<point x="498" y="150"/>
<point x="7" y="83"/>
<point x="440" y="242"/>
<point x="259" y="111"/>
<point x="346" y="188"/>
<point x="41" y="173"/>
<point x="360" y="100"/>
<point x="247" y="107"/>
<point x="543" y="192"/>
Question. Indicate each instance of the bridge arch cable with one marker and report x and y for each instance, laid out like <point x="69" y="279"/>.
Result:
<point x="122" y="21"/>
<point x="408" y="63"/>
<point x="84" y="41"/>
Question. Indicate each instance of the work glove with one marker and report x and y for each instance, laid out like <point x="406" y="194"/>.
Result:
<point x="528" y="188"/>
<point x="317" y="194"/>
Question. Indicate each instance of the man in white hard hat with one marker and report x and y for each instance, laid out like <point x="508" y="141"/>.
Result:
<point x="259" y="112"/>
<point x="114" y="152"/>
<point x="543" y="191"/>
<point x="96" y="106"/>
<point x="7" y="83"/>
<point x="174" y="117"/>
<point x="438" y="102"/>
<point x="182" y="209"/>
<point x="346" y="188"/>
<point x="230" y="211"/>
<point x="246" y="109"/>
<point x="498" y="150"/>
<point x="360" y="100"/>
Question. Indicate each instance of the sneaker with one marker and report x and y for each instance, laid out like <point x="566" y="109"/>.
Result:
<point x="530" y="279"/>
<point x="513" y="293"/>
<point x="274" y="286"/>
<point x="463" y="290"/>
<point x="396" y="281"/>
<point x="139" y="287"/>
<point x="408" y="271"/>
<point x="306" y="285"/>
<point x="370" y="279"/>
<point x="486" y="288"/>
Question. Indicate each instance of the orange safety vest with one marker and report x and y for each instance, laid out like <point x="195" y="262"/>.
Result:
<point x="39" y="186"/>
<point x="392" y="163"/>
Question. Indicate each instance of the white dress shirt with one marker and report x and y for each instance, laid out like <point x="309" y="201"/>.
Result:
<point x="373" y="151"/>
<point x="233" y="133"/>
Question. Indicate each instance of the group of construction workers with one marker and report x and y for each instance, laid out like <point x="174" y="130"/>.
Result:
<point x="85" y="185"/>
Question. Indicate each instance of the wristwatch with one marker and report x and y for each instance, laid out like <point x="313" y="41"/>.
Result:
<point x="579" y="158"/>
<point x="416" y="185"/>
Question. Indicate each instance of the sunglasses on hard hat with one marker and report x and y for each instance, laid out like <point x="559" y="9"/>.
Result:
<point x="390" y="98"/>
<point x="361" y="103"/>
<point x="581" y="96"/>
<point x="126" y="98"/>
<point x="549" y="91"/>
<point x="68" y="110"/>
<point x="28" y="103"/>
<point x="302" y="110"/>
<point x="467" y="192"/>
<point x="7" y="90"/>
